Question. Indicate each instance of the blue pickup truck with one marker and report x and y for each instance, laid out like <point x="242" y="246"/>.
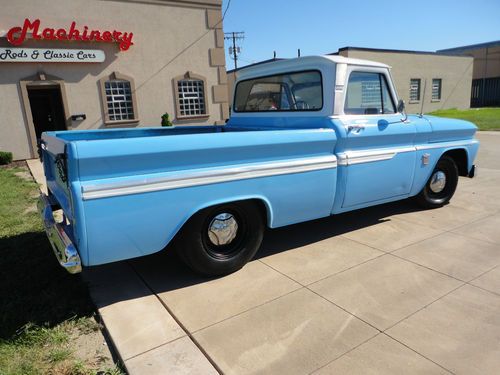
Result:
<point x="307" y="138"/>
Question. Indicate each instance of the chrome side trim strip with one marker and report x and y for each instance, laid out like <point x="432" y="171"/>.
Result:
<point x="207" y="176"/>
<point x="342" y="158"/>
<point x="368" y="156"/>
<point x="430" y="146"/>
<point x="358" y="157"/>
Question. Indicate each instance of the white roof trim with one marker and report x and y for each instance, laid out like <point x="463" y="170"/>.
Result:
<point x="303" y="63"/>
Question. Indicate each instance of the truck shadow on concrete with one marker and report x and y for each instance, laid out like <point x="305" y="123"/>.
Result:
<point x="303" y="234"/>
<point x="164" y="271"/>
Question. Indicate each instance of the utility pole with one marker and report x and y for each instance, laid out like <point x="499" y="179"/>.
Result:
<point x="234" y="50"/>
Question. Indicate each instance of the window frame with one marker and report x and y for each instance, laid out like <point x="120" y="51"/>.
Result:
<point x="117" y="76"/>
<point x="189" y="76"/>
<point x="283" y="110"/>
<point x="440" y="92"/>
<point x="390" y="88"/>
<point x="410" y="100"/>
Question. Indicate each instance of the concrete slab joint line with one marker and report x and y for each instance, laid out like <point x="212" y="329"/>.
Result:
<point x="180" y="356"/>
<point x="198" y="361"/>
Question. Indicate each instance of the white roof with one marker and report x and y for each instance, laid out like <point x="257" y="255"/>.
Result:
<point x="306" y="62"/>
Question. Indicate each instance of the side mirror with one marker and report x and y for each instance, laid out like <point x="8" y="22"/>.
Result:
<point x="401" y="106"/>
<point x="401" y="109"/>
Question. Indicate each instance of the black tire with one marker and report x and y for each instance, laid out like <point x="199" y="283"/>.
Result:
<point x="198" y="250"/>
<point x="428" y="198"/>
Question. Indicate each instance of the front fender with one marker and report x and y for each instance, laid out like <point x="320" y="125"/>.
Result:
<point x="434" y="152"/>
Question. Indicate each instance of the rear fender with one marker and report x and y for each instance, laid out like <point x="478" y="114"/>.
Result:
<point x="261" y="199"/>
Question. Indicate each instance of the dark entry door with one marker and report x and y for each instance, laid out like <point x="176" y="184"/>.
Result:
<point x="47" y="110"/>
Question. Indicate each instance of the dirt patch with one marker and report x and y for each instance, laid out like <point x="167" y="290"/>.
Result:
<point x="14" y="164"/>
<point x="25" y="175"/>
<point x="91" y="348"/>
<point x="30" y="209"/>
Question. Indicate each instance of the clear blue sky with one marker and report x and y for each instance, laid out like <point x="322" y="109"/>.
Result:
<point x="323" y="26"/>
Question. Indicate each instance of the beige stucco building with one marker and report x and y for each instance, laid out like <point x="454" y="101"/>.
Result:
<point x="124" y="64"/>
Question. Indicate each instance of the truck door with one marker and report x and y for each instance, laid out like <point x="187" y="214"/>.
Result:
<point x="379" y="151"/>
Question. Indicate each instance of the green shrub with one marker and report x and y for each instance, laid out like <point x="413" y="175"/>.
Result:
<point x="5" y="157"/>
<point x="165" y="120"/>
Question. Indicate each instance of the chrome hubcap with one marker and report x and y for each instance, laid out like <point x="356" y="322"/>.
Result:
<point x="438" y="182"/>
<point x="222" y="229"/>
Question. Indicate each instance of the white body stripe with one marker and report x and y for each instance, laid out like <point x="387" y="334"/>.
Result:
<point x="182" y="179"/>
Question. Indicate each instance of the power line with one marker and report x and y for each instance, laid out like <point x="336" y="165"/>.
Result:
<point x="246" y="60"/>
<point x="185" y="49"/>
<point x="224" y="14"/>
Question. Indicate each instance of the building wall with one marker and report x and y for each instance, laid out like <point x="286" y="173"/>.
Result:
<point x="486" y="58"/>
<point x="486" y="72"/>
<point x="455" y="72"/>
<point x="486" y="62"/>
<point x="170" y="39"/>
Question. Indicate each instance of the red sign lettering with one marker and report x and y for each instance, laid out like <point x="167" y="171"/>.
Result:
<point x="17" y="35"/>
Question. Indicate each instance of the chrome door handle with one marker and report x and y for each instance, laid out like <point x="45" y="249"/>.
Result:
<point x="355" y="127"/>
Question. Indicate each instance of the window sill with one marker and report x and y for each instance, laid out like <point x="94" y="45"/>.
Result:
<point x="121" y="122"/>
<point x="413" y="101"/>
<point x="435" y="100"/>
<point x="192" y="117"/>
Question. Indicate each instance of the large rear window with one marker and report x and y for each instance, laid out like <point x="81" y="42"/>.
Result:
<point x="301" y="91"/>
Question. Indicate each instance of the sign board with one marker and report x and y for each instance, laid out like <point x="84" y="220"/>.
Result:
<point x="51" y="55"/>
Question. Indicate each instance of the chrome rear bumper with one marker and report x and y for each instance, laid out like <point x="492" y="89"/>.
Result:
<point x="63" y="247"/>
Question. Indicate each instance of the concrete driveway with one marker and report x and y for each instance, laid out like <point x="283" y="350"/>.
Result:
<point x="390" y="289"/>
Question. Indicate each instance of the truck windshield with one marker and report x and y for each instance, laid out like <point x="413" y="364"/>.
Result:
<point x="301" y="91"/>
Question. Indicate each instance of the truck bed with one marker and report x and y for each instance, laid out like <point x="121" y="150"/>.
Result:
<point x="104" y="180"/>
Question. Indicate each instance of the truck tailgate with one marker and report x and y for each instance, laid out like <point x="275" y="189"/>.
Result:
<point x="54" y="158"/>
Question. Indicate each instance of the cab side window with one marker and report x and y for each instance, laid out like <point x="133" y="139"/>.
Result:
<point x="368" y="94"/>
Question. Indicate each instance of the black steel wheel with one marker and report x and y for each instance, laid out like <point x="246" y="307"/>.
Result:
<point x="441" y="184"/>
<point x="220" y="240"/>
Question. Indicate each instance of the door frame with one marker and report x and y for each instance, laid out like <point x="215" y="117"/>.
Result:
<point x="41" y="81"/>
<point x="372" y="154"/>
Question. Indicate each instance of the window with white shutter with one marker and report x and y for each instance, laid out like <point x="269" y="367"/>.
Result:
<point x="436" y="88"/>
<point x="118" y="99"/>
<point x="190" y="96"/>
<point x="414" y="89"/>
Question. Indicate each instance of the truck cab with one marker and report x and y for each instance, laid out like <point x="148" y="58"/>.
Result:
<point x="376" y="141"/>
